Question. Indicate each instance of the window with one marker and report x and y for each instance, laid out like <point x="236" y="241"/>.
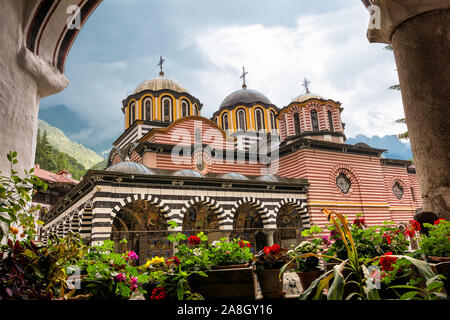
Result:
<point x="330" y="120"/>
<point x="314" y="120"/>
<point x="167" y="108"/>
<point x="225" y="125"/>
<point x="132" y="114"/>
<point x="147" y="109"/>
<point x="196" y="110"/>
<point x="298" y="130"/>
<point x="241" y="121"/>
<point x="343" y="183"/>
<point x="398" y="190"/>
<point x="412" y="195"/>
<point x="184" y="109"/>
<point x="259" y="122"/>
<point x="273" y="121"/>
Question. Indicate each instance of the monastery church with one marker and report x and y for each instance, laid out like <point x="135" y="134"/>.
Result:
<point x="255" y="170"/>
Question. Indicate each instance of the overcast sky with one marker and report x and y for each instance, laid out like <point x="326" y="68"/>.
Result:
<point x="205" y="44"/>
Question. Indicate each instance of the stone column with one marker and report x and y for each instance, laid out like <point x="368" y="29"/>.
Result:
<point x="269" y="235"/>
<point x="419" y="32"/>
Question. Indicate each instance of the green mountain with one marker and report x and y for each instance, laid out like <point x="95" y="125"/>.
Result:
<point x="59" y="141"/>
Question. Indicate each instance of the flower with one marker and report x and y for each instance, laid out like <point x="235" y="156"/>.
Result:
<point x="173" y="261"/>
<point x="410" y="232"/>
<point x="359" y="222"/>
<point x="133" y="287"/>
<point x="157" y="261"/>
<point x="439" y="221"/>
<point x="273" y="250"/>
<point x="244" y="244"/>
<point x="388" y="238"/>
<point x="387" y="261"/>
<point x="216" y="244"/>
<point x="197" y="252"/>
<point x="133" y="281"/>
<point x="132" y="255"/>
<point x="415" y="225"/>
<point x="326" y="240"/>
<point x="13" y="230"/>
<point x="159" y="293"/>
<point x="120" y="277"/>
<point x="194" y="240"/>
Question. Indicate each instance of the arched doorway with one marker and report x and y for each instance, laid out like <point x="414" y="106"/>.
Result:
<point x="249" y="226"/>
<point x="200" y="217"/>
<point x="289" y="226"/>
<point x="144" y="227"/>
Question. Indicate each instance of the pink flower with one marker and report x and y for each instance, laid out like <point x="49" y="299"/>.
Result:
<point x="133" y="287"/>
<point x="132" y="255"/>
<point x="120" y="277"/>
<point x="133" y="281"/>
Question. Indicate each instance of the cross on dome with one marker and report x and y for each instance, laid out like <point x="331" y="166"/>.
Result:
<point x="160" y="64"/>
<point x="306" y="84"/>
<point x="244" y="73"/>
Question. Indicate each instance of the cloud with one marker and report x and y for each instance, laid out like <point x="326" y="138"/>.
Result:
<point x="205" y="45"/>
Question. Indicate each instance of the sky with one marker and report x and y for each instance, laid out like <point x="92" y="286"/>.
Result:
<point x="205" y="44"/>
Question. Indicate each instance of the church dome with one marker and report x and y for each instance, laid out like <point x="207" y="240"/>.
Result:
<point x="245" y="96"/>
<point x="233" y="176"/>
<point x="307" y="96"/>
<point x="187" y="173"/>
<point x="130" y="167"/>
<point x="160" y="83"/>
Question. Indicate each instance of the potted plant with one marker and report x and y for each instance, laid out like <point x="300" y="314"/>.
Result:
<point x="307" y="268"/>
<point x="436" y="245"/>
<point x="268" y="263"/>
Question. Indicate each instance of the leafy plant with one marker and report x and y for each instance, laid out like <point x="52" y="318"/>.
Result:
<point x="224" y="252"/>
<point x="273" y="257"/>
<point x="437" y="243"/>
<point x="15" y="198"/>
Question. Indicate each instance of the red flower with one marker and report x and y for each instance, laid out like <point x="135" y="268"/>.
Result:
<point x="194" y="240"/>
<point x="439" y="221"/>
<point x="360" y="222"/>
<point x="410" y="232"/>
<point x="388" y="238"/>
<point x="386" y="261"/>
<point x="415" y="225"/>
<point x="244" y="244"/>
<point x="159" y="293"/>
<point x="273" y="250"/>
<point x="173" y="261"/>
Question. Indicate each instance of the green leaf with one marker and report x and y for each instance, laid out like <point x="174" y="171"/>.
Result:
<point x="336" y="290"/>
<point x="306" y="292"/>
<point x="435" y="285"/>
<point x="409" y="295"/>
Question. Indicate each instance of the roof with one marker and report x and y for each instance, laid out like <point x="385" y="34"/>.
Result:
<point x="245" y="96"/>
<point x="62" y="176"/>
<point x="307" y="96"/>
<point x="130" y="167"/>
<point x="160" y="83"/>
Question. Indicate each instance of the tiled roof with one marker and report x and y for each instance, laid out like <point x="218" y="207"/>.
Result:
<point x="61" y="177"/>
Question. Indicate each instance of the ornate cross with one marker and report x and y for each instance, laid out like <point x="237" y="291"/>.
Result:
<point x="306" y="85"/>
<point x="160" y="64"/>
<point x="244" y="85"/>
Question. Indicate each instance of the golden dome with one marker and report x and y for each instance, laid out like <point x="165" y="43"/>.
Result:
<point x="306" y="96"/>
<point x="160" y="83"/>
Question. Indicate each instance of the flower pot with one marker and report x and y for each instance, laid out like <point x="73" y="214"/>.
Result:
<point x="442" y="266"/>
<point x="307" y="277"/>
<point x="432" y="259"/>
<point x="270" y="284"/>
<point x="225" y="283"/>
<point x="232" y="266"/>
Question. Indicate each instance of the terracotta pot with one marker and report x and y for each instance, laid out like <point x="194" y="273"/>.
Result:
<point x="226" y="283"/>
<point x="441" y="265"/>
<point x="307" y="277"/>
<point x="270" y="284"/>
<point x="432" y="259"/>
<point x="232" y="266"/>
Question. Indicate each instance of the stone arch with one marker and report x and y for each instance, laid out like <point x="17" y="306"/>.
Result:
<point x="112" y="155"/>
<point x="255" y="203"/>
<point x="210" y="203"/>
<point x="300" y="206"/>
<point x="291" y="216"/>
<point x="165" y="210"/>
<point x="75" y="222"/>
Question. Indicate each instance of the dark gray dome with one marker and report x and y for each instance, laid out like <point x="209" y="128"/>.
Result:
<point x="269" y="178"/>
<point x="188" y="173"/>
<point x="245" y="96"/>
<point x="130" y="167"/>
<point x="233" y="176"/>
<point x="362" y="144"/>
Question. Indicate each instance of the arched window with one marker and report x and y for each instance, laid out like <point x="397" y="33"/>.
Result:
<point x="132" y="114"/>
<point x="314" y="120"/>
<point x="297" y="127"/>
<point x="259" y="120"/>
<point x="241" y="120"/>
<point x="273" y="121"/>
<point x="166" y="110"/>
<point x="412" y="195"/>
<point x="196" y="110"/>
<point x="225" y="124"/>
<point x="330" y="120"/>
<point x="147" y="109"/>
<point x="184" y="109"/>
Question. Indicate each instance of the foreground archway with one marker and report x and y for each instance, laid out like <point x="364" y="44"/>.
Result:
<point x="289" y="226"/>
<point x="248" y="225"/>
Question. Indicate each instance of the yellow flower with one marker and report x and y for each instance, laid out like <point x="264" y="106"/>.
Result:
<point x="13" y="230"/>
<point x="157" y="260"/>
